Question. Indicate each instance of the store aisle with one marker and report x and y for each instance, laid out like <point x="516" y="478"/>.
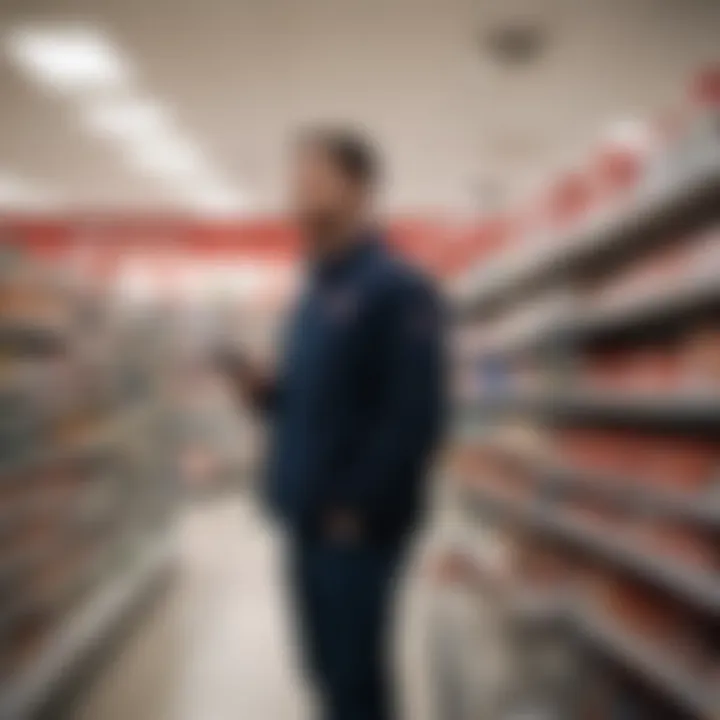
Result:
<point x="217" y="647"/>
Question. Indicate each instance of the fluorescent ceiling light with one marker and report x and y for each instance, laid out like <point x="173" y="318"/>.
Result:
<point x="67" y="58"/>
<point x="166" y="156"/>
<point x="125" y="119"/>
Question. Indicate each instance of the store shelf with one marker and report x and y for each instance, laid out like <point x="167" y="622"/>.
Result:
<point x="80" y="480"/>
<point x="624" y="493"/>
<point x="528" y="356"/>
<point x="37" y="461"/>
<point x="523" y="603"/>
<point x="621" y="492"/>
<point x="688" y="413"/>
<point x="677" y="684"/>
<point x="694" y="586"/>
<point x="659" y="669"/>
<point x="657" y="212"/>
<point x="534" y="343"/>
<point x="653" y="315"/>
<point x="31" y="338"/>
<point x="634" y="654"/>
<point x="685" y="413"/>
<point x="95" y="443"/>
<point x="80" y="636"/>
<point x="481" y="502"/>
<point x="500" y="404"/>
<point x="627" y="494"/>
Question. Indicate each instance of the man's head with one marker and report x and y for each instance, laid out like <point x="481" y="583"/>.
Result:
<point x="334" y="176"/>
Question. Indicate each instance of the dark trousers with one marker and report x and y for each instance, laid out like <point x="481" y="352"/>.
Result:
<point x="343" y="595"/>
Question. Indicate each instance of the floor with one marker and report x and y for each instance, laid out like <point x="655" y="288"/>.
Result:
<point x="218" y="645"/>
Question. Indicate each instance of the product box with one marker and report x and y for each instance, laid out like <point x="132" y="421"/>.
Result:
<point x="701" y="359"/>
<point x="682" y="464"/>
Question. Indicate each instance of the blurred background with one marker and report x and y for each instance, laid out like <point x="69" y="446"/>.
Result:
<point x="554" y="163"/>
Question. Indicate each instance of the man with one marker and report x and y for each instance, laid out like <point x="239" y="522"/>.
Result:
<point x="355" y="413"/>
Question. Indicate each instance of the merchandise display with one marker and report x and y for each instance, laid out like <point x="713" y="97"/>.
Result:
<point x="360" y="359"/>
<point x="586" y="373"/>
<point x="86" y="479"/>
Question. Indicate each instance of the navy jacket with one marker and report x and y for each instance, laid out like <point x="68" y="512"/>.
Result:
<point x="359" y="398"/>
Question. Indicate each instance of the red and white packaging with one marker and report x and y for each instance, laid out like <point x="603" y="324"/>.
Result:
<point x="701" y="360"/>
<point x="683" y="464"/>
<point x="682" y="543"/>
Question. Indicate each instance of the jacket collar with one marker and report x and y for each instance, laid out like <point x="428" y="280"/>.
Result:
<point x="367" y="245"/>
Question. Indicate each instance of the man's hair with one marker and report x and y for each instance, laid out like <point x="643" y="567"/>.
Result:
<point x="350" y="150"/>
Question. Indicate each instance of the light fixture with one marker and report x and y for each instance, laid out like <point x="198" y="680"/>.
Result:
<point x="125" y="118"/>
<point x="516" y="42"/>
<point x="166" y="156"/>
<point x="67" y="57"/>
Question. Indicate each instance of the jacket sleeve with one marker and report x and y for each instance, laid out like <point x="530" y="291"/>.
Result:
<point x="400" y="445"/>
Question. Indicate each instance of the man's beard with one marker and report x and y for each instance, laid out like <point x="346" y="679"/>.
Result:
<point x="321" y="230"/>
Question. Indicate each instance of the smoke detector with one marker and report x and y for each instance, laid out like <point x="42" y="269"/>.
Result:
<point x="516" y="42"/>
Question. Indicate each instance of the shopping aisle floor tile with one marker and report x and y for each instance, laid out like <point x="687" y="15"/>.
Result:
<point x="216" y="648"/>
<point x="219" y="645"/>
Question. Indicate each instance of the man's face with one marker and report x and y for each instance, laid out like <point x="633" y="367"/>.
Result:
<point x="322" y="198"/>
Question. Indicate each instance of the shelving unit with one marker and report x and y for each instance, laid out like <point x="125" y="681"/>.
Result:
<point x="666" y="311"/>
<point x="81" y="633"/>
<point x="635" y="655"/>
<point x="626" y="495"/>
<point x="608" y="386"/>
<point x="650" y="317"/>
<point x="688" y="413"/>
<point x="87" y="489"/>
<point x="698" y="698"/>
<point x="686" y="201"/>
<point x="623" y="493"/>
<point x="696" y="587"/>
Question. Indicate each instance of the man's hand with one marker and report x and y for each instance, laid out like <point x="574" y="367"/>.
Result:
<point x="342" y="527"/>
<point x="252" y="384"/>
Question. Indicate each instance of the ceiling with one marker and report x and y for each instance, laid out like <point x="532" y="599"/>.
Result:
<point x="457" y="125"/>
